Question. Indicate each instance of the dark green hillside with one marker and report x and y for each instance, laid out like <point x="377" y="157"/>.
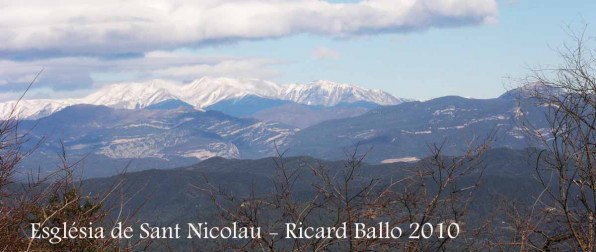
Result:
<point x="172" y="196"/>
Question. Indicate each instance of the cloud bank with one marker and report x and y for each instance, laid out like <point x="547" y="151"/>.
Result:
<point x="82" y="44"/>
<point x="68" y="73"/>
<point x="116" y="28"/>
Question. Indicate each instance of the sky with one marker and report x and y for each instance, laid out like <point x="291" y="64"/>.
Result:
<point x="419" y="49"/>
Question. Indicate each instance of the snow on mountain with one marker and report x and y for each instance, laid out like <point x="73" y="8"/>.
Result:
<point x="132" y="95"/>
<point x="532" y="90"/>
<point x="33" y="109"/>
<point x="125" y="133"/>
<point x="204" y="92"/>
<point x="207" y="91"/>
<point x="328" y="93"/>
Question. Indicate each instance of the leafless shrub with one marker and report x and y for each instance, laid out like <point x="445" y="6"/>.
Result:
<point x="563" y="216"/>
<point x="431" y="192"/>
<point x="49" y="200"/>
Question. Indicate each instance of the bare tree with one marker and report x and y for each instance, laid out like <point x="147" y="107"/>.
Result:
<point x="563" y="217"/>
<point x="49" y="200"/>
<point x="432" y="192"/>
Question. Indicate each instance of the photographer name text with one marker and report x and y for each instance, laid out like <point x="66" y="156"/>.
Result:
<point x="202" y="230"/>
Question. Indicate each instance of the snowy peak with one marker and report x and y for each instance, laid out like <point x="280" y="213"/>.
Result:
<point x="204" y="92"/>
<point x="132" y="95"/>
<point x="328" y="93"/>
<point x="532" y="90"/>
<point x="207" y="91"/>
<point x="33" y="109"/>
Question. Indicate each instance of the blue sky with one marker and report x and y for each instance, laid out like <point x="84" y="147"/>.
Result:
<point x="474" y="61"/>
<point x="469" y="56"/>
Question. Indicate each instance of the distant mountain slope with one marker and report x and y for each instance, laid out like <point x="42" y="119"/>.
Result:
<point x="288" y="112"/>
<point x="205" y="92"/>
<point x="302" y="116"/>
<point x="156" y="133"/>
<point x="170" y="104"/>
<point x="406" y="130"/>
<point x="246" y="106"/>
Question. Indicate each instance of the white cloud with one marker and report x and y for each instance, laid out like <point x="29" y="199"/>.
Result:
<point x="324" y="53"/>
<point x="77" y="41"/>
<point x="248" y="68"/>
<point x="42" y="93"/>
<point x="32" y="28"/>
<point x="72" y="73"/>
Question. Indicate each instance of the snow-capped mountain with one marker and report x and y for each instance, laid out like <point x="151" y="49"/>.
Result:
<point x="207" y="91"/>
<point x="328" y="93"/>
<point x="132" y="95"/>
<point x="33" y="108"/>
<point x="202" y="93"/>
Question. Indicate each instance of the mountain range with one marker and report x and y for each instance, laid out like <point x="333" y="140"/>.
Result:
<point x="158" y="126"/>
<point x="405" y="132"/>
<point x="202" y="93"/>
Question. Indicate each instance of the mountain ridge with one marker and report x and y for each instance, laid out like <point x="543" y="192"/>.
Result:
<point x="202" y="93"/>
<point x="167" y="134"/>
<point x="404" y="131"/>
